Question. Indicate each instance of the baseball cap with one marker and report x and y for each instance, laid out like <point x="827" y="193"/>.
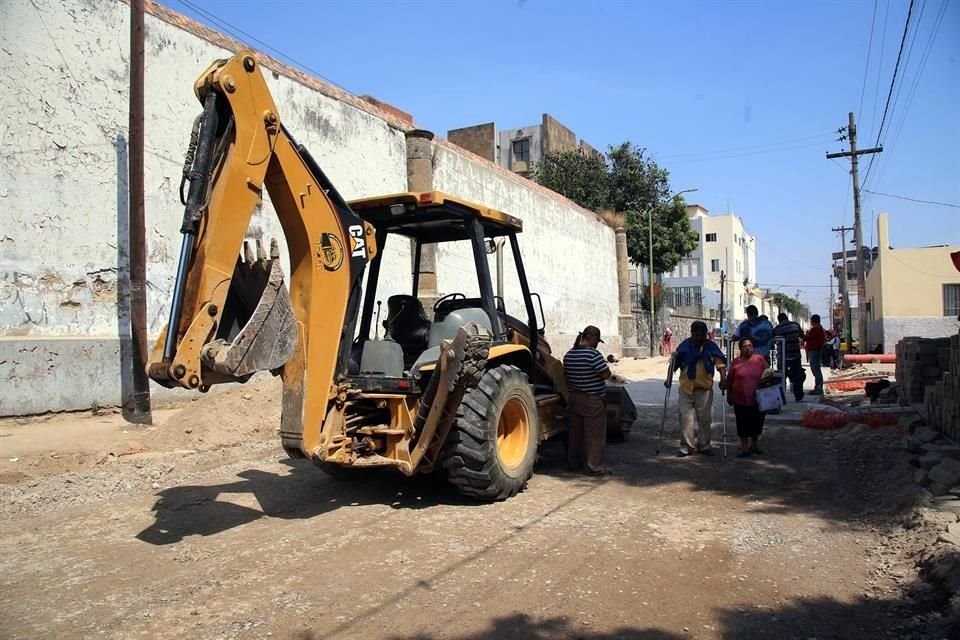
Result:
<point x="591" y="330"/>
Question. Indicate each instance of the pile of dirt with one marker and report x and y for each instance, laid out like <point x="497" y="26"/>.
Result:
<point x="54" y="444"/>
<point x="910" y="564"/>
<point x="877" y="453"/>
<point x="248" y="413"/>
<point x="125" y="476"/>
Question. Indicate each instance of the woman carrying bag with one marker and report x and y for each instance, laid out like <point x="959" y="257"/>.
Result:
<point x="743" y="380"/>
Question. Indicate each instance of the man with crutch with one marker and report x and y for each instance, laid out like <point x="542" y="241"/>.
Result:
<point x="697" y="359"/>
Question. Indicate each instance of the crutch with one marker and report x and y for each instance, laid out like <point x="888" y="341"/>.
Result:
<point x="723" y="399"/>
<point x="666" y="400"/>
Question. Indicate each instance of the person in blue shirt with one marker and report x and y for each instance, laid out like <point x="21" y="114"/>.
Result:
<point x="758" y="329"/>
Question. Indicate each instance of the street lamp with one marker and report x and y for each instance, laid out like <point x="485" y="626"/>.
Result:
<point x="650" y="265"/>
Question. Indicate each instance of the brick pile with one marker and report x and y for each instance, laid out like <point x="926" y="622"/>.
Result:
<point x="920" y="363"/>
<point x="942" y="400"/>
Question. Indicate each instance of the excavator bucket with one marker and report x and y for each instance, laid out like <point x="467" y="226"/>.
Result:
<point x="258" y="330"/>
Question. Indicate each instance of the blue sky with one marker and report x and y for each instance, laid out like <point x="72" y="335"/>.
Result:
<point x="738" y="99"/>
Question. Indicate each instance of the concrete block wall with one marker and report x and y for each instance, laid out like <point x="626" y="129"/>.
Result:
<point x="890" y="331"/>
<point x="568" y="253"/>
<point x="64" y="328"/>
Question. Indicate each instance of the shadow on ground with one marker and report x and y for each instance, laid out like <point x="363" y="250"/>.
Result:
<point x="823" y="618"/>
<point x="523" y="627"/>
<point x="304" y="492"/>
<point x="801" y="471"/>
<point x="834" y="475"/>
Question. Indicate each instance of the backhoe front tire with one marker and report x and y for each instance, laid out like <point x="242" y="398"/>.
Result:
<point x="492" y="445"/>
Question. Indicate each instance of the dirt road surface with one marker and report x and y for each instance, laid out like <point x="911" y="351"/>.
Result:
<point x="201" y="527"/>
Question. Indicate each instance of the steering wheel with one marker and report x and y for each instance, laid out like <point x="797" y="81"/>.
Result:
<point x="449" y="296"/>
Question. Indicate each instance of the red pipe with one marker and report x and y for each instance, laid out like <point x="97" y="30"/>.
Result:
<point x="872" y="358"/>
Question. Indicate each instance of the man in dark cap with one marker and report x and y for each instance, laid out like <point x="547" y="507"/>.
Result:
<point x="696" y="359"/>
<point x="587" y="372"/>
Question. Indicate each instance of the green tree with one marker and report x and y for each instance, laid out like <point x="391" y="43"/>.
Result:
<point x="790" y="305"/>
<point x="630" y="182"/>
<point x="636" y="181"/>
<point x="582" y="177"/>
<point x="672" y="236"/>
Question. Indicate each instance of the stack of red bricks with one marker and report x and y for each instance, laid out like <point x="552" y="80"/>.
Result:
<point x="942" y="399"/>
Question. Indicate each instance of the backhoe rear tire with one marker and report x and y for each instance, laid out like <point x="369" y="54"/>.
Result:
<point x="492" y="445"/>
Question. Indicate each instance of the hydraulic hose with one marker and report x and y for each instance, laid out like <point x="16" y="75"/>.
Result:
<point x="199" y="177"/>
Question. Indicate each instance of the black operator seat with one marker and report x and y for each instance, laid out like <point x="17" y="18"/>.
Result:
<point x="407" y="325"/>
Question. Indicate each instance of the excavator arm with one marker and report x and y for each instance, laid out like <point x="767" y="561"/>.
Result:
<point x="230" y="313"/>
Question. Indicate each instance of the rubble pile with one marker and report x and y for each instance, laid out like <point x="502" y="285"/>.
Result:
<point x="937" y="459"/>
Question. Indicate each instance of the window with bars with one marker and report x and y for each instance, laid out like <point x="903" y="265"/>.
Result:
<point x="687" y="296"/>
<point x="521" y="150"/>
<point x="951" y="300"/>
<point x="711" y="237"/>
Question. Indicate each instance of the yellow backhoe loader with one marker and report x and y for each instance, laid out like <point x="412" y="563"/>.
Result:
<point x="471" y="391"/>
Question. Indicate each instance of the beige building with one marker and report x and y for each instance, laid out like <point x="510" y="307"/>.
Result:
<point x="725" y="245"/>
<point x="910" y="292"/>
<point x="521" y="148"/>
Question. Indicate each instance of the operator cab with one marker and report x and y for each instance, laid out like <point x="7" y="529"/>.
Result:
<point x="413" y="334"/>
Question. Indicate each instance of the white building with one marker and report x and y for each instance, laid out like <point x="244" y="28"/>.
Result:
<point x="725" y="246"/>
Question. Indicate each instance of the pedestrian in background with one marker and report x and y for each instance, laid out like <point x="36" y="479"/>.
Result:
<point x="831" y="350"/>
<point x="743" y="380"/>
<point x="697" y="359"/>
<point x="813" y="342"/>
<point x="666" y="344"/>
<point x="792" y="334"/>
<point x="587" y="372"/>
<point x="758" y="329"/>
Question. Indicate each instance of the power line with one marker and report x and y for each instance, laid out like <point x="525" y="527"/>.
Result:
<point x="916" y="83"/>
<point x="920" y="69"/>
<point x="906" y="60"/>
<point x="890" y="195"/>
<point x="792" y="286"/>
<point x="739" y="155"/>
<point x="876" y="89"/>
<point x="866" y="68"/>
<point x="235" y="30"/>
<point x="883" y="162"/>
<point x="896" y="68"/>
<point x="753" y="146"/>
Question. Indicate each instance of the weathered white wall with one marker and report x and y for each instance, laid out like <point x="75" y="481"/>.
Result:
<point x="63" y="96"/>
<point x="569" y="255"/>
<point x="890" y="331"/>
<point x="63" y="210"/>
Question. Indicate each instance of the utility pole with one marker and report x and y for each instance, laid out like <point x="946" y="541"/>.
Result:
<point x="844" y="291"/>
<point x="139" y="410"/>
<point x="854" y="154"/>
<point x="723" y="323"/>
<point x="653" y="316"/>
<point x="833" y="324"/>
